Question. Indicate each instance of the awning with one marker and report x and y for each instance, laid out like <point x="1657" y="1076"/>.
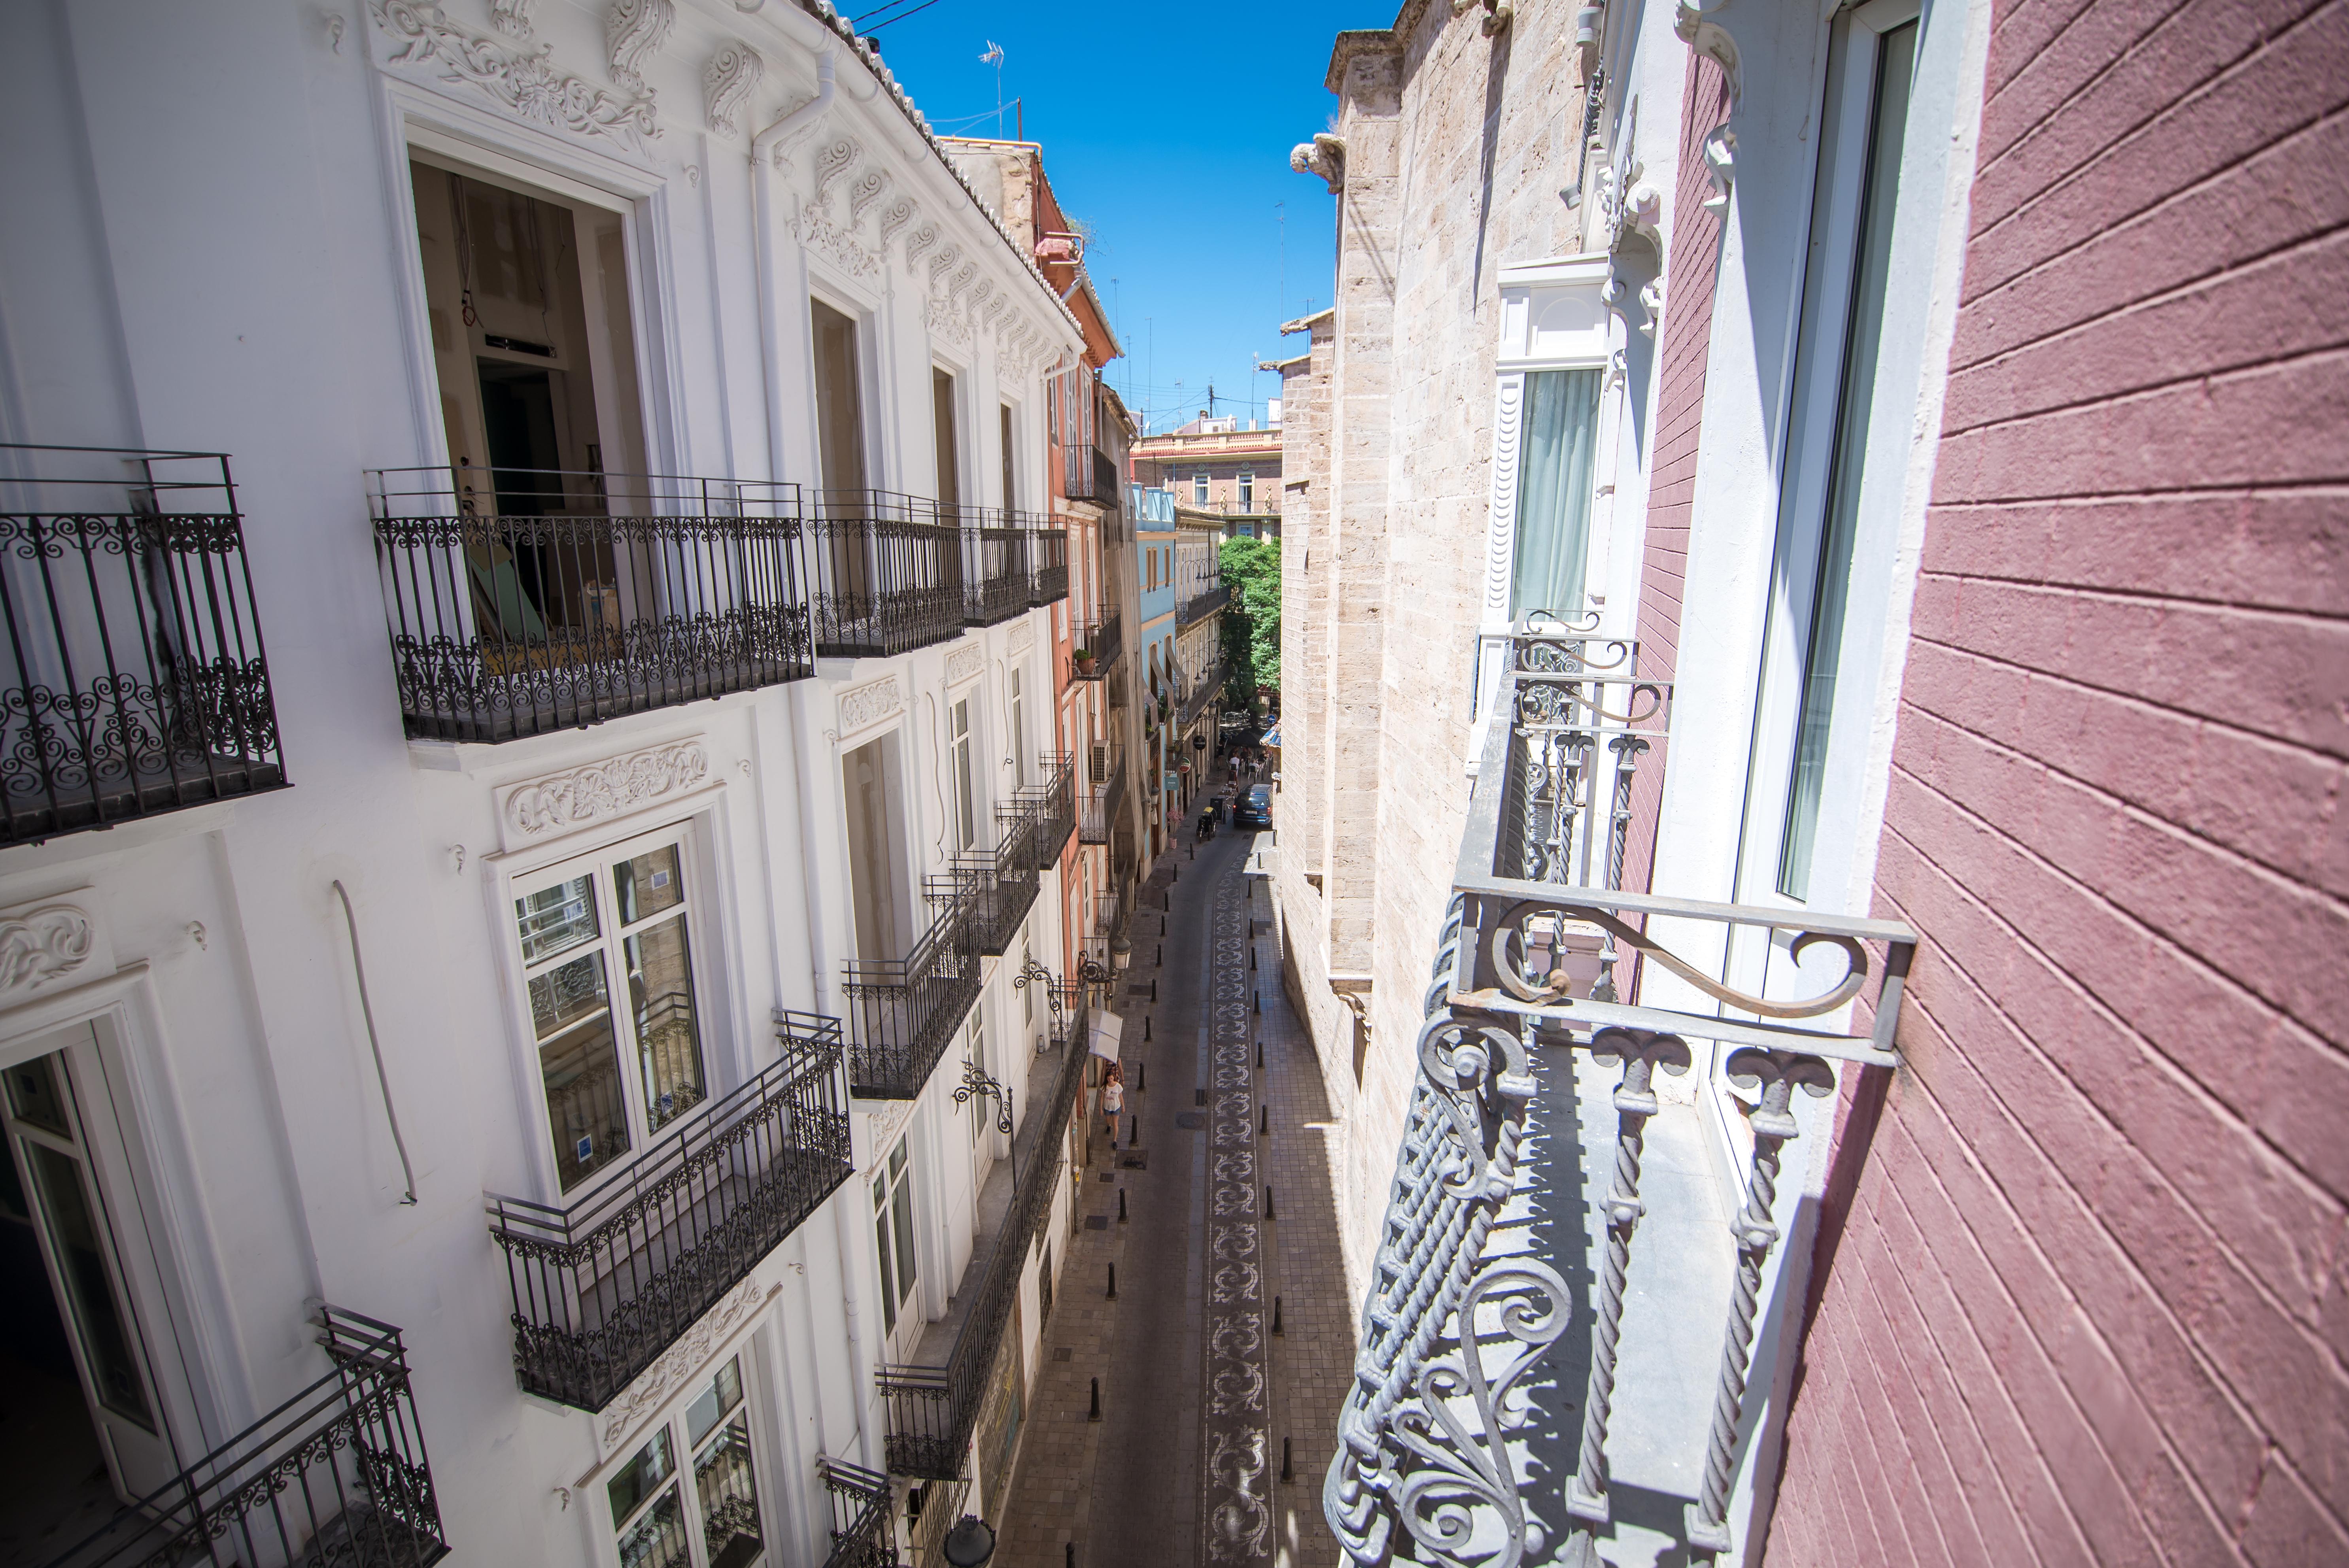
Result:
<point x="1271" y="736"/>
<point x="1107" y="1027"/>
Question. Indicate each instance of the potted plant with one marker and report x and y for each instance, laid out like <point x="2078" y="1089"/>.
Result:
<point x="1085" y="660"/>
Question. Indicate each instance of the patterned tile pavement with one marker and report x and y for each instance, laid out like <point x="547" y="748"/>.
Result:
<point x="1128" y="1488"/>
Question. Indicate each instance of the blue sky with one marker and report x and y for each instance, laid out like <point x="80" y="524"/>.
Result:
<point x="1168" y="132"/>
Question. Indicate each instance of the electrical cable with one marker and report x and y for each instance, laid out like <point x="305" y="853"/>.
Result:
<point x="367" y="1010"/>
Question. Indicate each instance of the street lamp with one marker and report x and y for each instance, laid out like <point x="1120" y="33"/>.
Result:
<point x="970" y="1542"/>
<point x="1032" y="970"/>
<point x="975" y="1083"/>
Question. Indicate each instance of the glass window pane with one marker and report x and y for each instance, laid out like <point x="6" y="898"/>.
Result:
<point x="888" y="1274"/>
<point x="99" y="1322"/>
<point x="641" y="1476"/>
<point x="724" y="1392"/>
<point x="583" y="1108"/>
<point x="658" y="1539"/>
<point x="902" y="1215"/>
<point x="648" y="884"/>
<point x="1555" y="486"/>
<point x="38" y="1097"/>
<point x="668" y="1042"/>
<point x="567" y="993"/>
<point x="729" y="1496"/>
<point x="555" y="919"/>
<point x="1822" y="658"/>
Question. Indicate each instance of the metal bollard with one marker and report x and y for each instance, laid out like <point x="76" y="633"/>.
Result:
<point x="1268" y="1203"/>
<point x="1141" y="1070"/>
<point x="1121" y="1220"/>
<point x="1113" y="1295"/>
<point x="1071" y="1560"/>
<point x="1288" y="1463"/>
<point x="1276" y="1316"/>
<point x="1259" y="1054"/>
<point x="1264" y="1121"/>
<point x="1094" y="1416"/>
<point x="1146" y="1025"/>
<point x="1259" y="1004"/>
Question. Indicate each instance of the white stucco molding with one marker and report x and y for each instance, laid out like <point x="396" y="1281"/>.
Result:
<point x="538" y="810"/>
<point x="678" y="1365"/>
<point x="526" y="83"/>
<point x="965" y="660"/>
<point x="1023" y="637"/>
<point x="50" y="941"/>
<point x="727" y="81"/>
<point x="862" y="707"/>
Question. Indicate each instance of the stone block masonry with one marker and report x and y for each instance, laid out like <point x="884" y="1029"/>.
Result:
<point x="2083" y="1286"/>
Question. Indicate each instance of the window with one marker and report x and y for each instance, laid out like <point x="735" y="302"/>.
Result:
<point x="1838" y="530"/>
<point x="661" y="1525"/>
<point x="589" y="930"/>
<point x="1247" y="491"/>
<point x="1010" y="469"/>
<point x="965" y="804"/>
<point x="942" y="426"/>
<point x="1555" y="488"/>
<point x="1018" y="731"/>
<point x="982" y="1109"/>
<point x="839" y="414"/>
<point x="893" y="1236"/>
<point x="1199" y="489"/>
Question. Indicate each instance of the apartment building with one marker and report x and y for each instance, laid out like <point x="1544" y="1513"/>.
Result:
<point x="1199" y="598"/>
<point x="1777" y="541"/>
<point x="537" y="1021"/>
<point x="1224" y="465"/>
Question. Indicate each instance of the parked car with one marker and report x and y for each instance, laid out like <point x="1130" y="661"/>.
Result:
<point x="1254" y="809"/>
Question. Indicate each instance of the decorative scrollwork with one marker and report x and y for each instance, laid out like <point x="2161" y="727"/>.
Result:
<point x="1553" y="987"/>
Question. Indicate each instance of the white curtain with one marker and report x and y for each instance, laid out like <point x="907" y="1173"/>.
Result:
<point x="1554" y="491"/>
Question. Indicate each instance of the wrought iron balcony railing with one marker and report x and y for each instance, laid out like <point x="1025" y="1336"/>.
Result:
<point x="862" y="1533"/>
<point x="1097" y="810"/>
<point x="933" y="1409"/>
<point x="1091" y="474"/>
<point x="1204" y="693"/>
<point x="886" y="572"/>
<point x="522" y="601"/>
<point x="1199" y="606"/>
<point x="997" y="889"/>
<point x="902" y="1011"/>
<point x="603" y="1286"/>
<point x="135" y="680"/>
<point x="1451" y="1448"/>
<point x="999" y="550"/>
<point x="1051" y="559"/>
<point x="1096" y="644"/>
<point x="1054" y="803"/>
<point x="337" y="1474"/>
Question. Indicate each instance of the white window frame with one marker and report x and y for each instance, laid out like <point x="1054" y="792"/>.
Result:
<point x="1200" y="488"/>
<point x="962" y="780"/>
<point x="886" y="1183"/>
<point x="703" y="907"/>
<point x="751" y="1410"/>
<point x="1247" y="489"/>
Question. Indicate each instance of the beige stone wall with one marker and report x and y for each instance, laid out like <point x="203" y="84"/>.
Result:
<point x="1456" y="147"/>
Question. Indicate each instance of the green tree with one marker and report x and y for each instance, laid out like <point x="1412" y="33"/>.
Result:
<point x="1251" y="620"/>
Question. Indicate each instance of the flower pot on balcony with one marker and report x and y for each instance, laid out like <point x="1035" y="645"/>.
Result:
<point x="1086" y="662"/>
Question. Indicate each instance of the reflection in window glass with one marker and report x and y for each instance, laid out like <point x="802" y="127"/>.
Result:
<point x="78" y="1237"/>
<point x="723" y="1479"/>
<point x="668" y="1045"/>
<point x="1823" y="657"/>
<point x="1556" y="483"/>
<point x="555" y="919"/>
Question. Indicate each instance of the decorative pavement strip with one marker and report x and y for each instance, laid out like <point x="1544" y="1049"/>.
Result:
<point x="1237" y="1518"/>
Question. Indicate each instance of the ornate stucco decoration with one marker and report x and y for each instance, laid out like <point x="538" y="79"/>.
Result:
<point x="835" y="161"/>
<point x="1023" y="636"/>
<point x="1698" y="27"/>
<point x="964" y="662"/>
<point x="511" y="17"/>
<point x="818" y="226"/>
<point x="42" y="944"/>
<point x="941" y="317"/>
<point x="525" y="83"/>
<point x="1325" y="155"/>
<point x="894" y="220"/>
<point x="679" y="1363"/>
<point x="727" y="81"/>
<point x="869" y="704"/>
<point x="558" y="803"/>
<point x="868" y="188"/>
<point x="635" y="30"/>
<point x="889" y="1116"/>
<point x="919" y="243"/>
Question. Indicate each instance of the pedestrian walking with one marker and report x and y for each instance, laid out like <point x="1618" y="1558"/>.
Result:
<point x="1113" y="1098"/>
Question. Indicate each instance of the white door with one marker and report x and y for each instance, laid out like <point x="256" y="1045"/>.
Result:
<point x="64" y="1136"/>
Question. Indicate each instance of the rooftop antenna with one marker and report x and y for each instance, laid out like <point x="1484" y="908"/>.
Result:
<point x="994" y="56"/>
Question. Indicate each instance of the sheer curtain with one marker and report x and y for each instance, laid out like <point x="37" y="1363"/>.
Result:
<point x="1554" y="491"/>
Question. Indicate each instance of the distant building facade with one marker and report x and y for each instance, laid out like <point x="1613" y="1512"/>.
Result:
<point x="1216" y="466"/>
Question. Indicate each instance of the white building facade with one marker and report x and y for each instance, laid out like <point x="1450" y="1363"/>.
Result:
<point x="592" y="1004"/>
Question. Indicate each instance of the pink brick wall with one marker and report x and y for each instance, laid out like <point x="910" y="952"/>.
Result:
<point x="1693" y="265"/>
<point x="2083" y="1287"/>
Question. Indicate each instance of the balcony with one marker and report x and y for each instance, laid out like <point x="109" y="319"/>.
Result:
<point x="934" y="1402"/>
<point x="137" y="684"/>
<point x="997" y="570"/>
<point x="1205" y="691"/>
<point x="335" y="1475"/>
<point x="1102" y="637"/>
<point x="1478" y="1429"/>
<point x="1050" y="555"/>
<point x="902" y="1011"/>
<point x="601" y="1287"/>
<point x="1097" y="809"/>
<point x="1054" y="803"/>
<point x="1088" y="473"/>
<point x="998" y="890"/>
<point x="886" y="573"/>
<point x="862" y="1502"/>
<point x="1199" y="606"/>
<point x="525" y="602"/>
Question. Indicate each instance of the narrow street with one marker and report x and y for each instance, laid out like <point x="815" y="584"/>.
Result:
<point x="1229" y="1233"/>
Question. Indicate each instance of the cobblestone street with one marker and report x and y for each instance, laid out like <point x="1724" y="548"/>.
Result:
<point x="1198" y="1394"/>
